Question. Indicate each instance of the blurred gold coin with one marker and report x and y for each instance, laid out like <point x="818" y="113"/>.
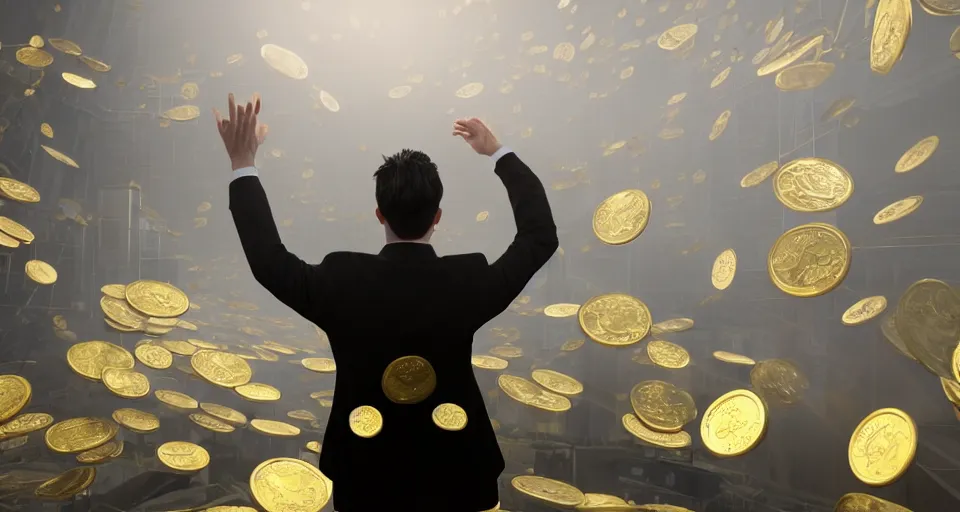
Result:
<point x="313" y="446"/>
<point x="667" y="355"/>
<point x="224" y="413"/>
<point x="211" y="423"/>
<point x="918" y="154"/>
<point x="153" y="298"/>
<point x="857" y="502"/>
<point x="102" y="453"/>
<point x="622" y="217"/>
<point x="720" y="125"/>
<point x="724" y="269"/>
<point x="675" y="37"/>
<point x="838" y="108"/>
<point x="891" y="28"/>
<point x="926" y="320"/>
<point x="329" y="102"/>
<point x="90" y="358"/>
<point x="548" y="490"/>
<point x="60" y="157"/>
<point x="759" y="175"/>
<point x="469" y="90"/>
<point x="284" y="61"/>
<point x="720" y="78"/>
<point x="274" y="428"/>
<point x="615" y="319"/>
<point x="809" y="260"/>
<point x="302" y="414"/>
<point x="399" y="91"/>
<point x="488" y="362"/>
<point x="311" y="493"/>
<point x="66" y="485"/>
<point x="864" y="309"/>
<point x="571" y="345"/>
<point x="120" y="312"/>
<point x="258" y="392"/>
<point x="18" y="191"/>
<point x="80" y="434"/>
<point x="805" y="76"/>
<point x="730" y="357"/>
<point x="812" y="185"/>
<point x="662" y="406"/>
<point x="672" y="325"/>
<point x="176" y="399"/>
<point x="790" y="56"/>
<point x="34" y="57"/>
<point x="189" y="90"/>
<point x="16" y="230"/>
<point x="898" y="210"/>
<point x="561" y="310"/>
<point x="26" y="423"/>
<point x="137" y="421"/>
<point x="95" y="64"/>
<point x="508" y="351"/>
<point x="564" y="51"/>
<point x="635" y="427"/>
<point x="126" y="383"/>
<point x="182" y="113"/>
<point x="408" y="380"/>
<point x="41" y="272"/>
<point x="114" y="290"/>
<point x="734" y="424"/>
<point x="78" y="81"/>
<point x="779" y="380"/>
<point x="66" y="46"/>
<point x="36" y="41"/>
<point x="319" y="364"/>
<point x="179" y="347"/>
<point x="183" y="456"/>
<point x="450" y="417"/>
<point x="882" y="461"/>
<point x="557" y="382"/>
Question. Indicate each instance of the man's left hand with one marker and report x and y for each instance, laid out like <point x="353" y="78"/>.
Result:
<point x="241" y="133"/>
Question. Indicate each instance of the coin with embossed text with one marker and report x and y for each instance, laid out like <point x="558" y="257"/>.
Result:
<point x="449" y="416"/>
<point x="667" y="355"/>
<point x="864" y="309"/>
<point x="282" y="484"/>
<point x="724" y="269"/>
<point x="812" y="185"/>
<point x="154" y="298"/>
<point x="734" y="423"/>
<point x="898" y="210"/>
<point x="80" y="434"/>
<point x="221" y="368"/>
<point x="154" y="356"/>
<point x="891" y="28"/>
<point x="882" y="446"/>
<point x="138" y="421"/>
<point x="126" y="383"/>
<point x="366" y="421"/>
<point x="634" y="426"/>
<point x="548" y="490"/>
<point x="809" y="260"/>
<point x="662" y="406"/>
<point x="211" y="423"/>
<point x="90" y="358"/>
<point x="26" y="423"/>
<point x="622" y="217"/>
<point x="615" y="319"/>
<point x="916" y="155"/>
<point x="183" y="456"/>
<point x="557" y="382"/>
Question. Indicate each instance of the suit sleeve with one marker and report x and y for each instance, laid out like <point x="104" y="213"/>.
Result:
<point x="299" y="285"/>
<point x="536" y="238"/>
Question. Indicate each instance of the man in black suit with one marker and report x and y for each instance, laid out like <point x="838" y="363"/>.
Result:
<point x="400" y="323"/>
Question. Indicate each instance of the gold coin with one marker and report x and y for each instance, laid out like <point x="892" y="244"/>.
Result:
<point x="302" y="414"/>
<point x="183" y="456"/>
<point x="561" y="310"/>
<point x="488" y="362"/>
<point x="366" y="421"/>
<point x="16" y="230"/>
<point x="8" y="241"/>
<point x="278" y="348"/>
<point x="719" y="79"/>
<point x="313" y="446"/>
<point x="329" y="102"/>
<point x="916" y="155"/>
<point x="926" y="319"/>
<point x="882" y="446"/>
<point x="136" y="420"/>
<point x="182" y="113"/>
<point x="224" y="413"/>
<point x="662" y="406"/>
<point x="809" y="260"/>
<point x="564" y="51"/>
<point x="779" y="380"/>
<point x="805" y="76"/>
<point x="558" y="382"/>
<point x="594" y="502"/>
<point x="667" y="355"/>
<point x="615" y="319"/>
<point x="66" y="46"/>
<point x="78" y="81"/>
<point x="676" y="36"/>
<point x="115" y="291"/>
<point x="898" y="210"/>
<point x="189" y="90"/>
<point x="18" y="190"/>
<point x="508" y="351"/>
<point x="319" y="364"/>
<point x="670" y="133"/>
<point x="265" y="355"/>
<point x="857" y="502"/>
<point x="120" y="312"/>
<point x="730" y="357"/>
<point x="175" y="399"/>
<point x="286" y="62"/>
<point x="812" y="185"/>
<point x="724" y="269"/>
<point x="571" y="345"/>
<point x="622" y="217"/>
<point x="284" y="485"/>
<point x="676" y="98"/>
<point x="15" y="393"/>
<point x="951" y="388"/>
<point x="126" y="383"/>
<point x="34" y="57"/>
<point x="864" y="310"/>
<point x="153" y="356"/>
<point x="941" y="7"/>
<point x="221" y="368"/>
<point x="450" y="417"/>
<point x="548" y="490"/>
<point x="258" y="392"/>
<point x="734" y="424"/>
<point x="101" y="453"/>
<point x="720" y="125"/>
<point x="41" y="272"/>
<point x="891" y="28"/>
<point x="90" y="358"/>
<point x="79" y="434"/>
<point x="408" y="380"/>
<point x="67" y="484"/>
<point x="838" y="108"/>
<point x="211" y="423"/>
<point x="154" y="298"/>
<point x="955" y="42"/>
<point x="26" y="423"/>
<point x="399" y="91"/>
<point x="95" y="64"/>
<point x="790" y="56"/>
<point x="470" y="90"/>
<point x="179" y="347"/>
<point x="672" y="325"/>
<point x="183" y="324"/>
<point x="663" y="439"/>
<point x="60" y="157"/>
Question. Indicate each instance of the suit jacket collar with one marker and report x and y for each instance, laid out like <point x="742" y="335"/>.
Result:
<point x="408" y="251"/>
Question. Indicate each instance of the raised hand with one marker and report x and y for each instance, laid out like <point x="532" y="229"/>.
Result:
<point x="241" y="133"/>
<point x="480" y="138"/>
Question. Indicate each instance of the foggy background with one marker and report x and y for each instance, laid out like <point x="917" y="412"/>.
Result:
<point x="560" y="118"/>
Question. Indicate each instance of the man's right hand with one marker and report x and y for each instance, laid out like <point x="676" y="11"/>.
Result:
<point x="480" y="138"/>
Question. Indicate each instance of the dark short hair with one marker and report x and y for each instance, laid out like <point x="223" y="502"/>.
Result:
<point x="408" y="193"/>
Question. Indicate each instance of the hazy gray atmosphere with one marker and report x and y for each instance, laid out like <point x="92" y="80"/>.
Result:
<point x="596" y="97"/>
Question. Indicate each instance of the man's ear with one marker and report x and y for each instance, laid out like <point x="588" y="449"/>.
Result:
<point x="380" y="217"/>
<point x="436" y="219"/>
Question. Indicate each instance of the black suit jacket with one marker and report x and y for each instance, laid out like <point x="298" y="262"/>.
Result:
<point x="404" y="301"/>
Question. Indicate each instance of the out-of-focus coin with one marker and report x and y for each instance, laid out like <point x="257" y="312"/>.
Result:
<point x="571" y="345"/>
<point x="508" y="351"/>
<point x="126" y="383"/>
<point x="561" y="310"/>
<point x="662" y="406"/>
<point x="310" y="494"/>
<point x="102" y="453"/>
<point x="918" y="154"/>
<point x="80" y="434"/>
<point x="812" y="185"/>
<point x="138" y="421"/>
<point x="672" y="325"/>
<point x="488" y="362"/>
<point x="622" y="217"/>
<point x="60" y="157"/>
<point x="257" y="392"/>
<point x="176" y="399"/>
<point x="313" y="446"/>
<point x="675" y="37"/>
<point x="882" y="446"/>
<point x="734" y="423"/>
<point x="724" y="269"/>
<point x="557" y="382"/>
<point x="26" y="423"/>
<point x="183" y="456"/>
<point x="284" y="61"/>
<point x="366" y="421"/>
<point x="888" y="327"/>
<point x="224" y="413"/>
<point x="78" y="81"/>
<point x="153" y="356"/>
<point x="898" y="210"/>
<point x="34" y="57"/>
<point x="221" y="368"/>
<point x="778" y="380"/>
<point x="450" y="417"/>
<point x="16" y="230"/>
<point x="838" y="108"/>
<point x="95" y="64"/>
<point x="90" y="358"/>
<point x="211" y="423"/>
<point x="319" y="364"/>
<point x="720" y="125"/>
<point x="302" y="414"/>
<point x="66" y="46"/>
<point x="408" y="380"/>
<point x="153" y="298"/>
<point x="864" y="309"/>
<point x="548" y="490"/>
<point x="928" y="321"/>
<point x="790" y="56"/>
<point x="469" y="90"/>
<point x="804" y="76"/>
<point x="719" y="79"/>
<point x="67" y="484"/>
<point x="182" y="113"/>
<point x="189" y="90"/>
<point x="809" y="260"/>
<point x="667" y="355"/>
<point x="179" y="347"/>
<point x="615" y="319"/>
<point x="730" y="357"/>
<point x="857" y="502"/>
<point x="518" y="388"/>
<point x="634" y="426"/>
<point x="15" y="393"/>
<point x="399" y="91"/>
<point x="564" y="51"/>
<point x="891" y="28"/>
<point x="18" y="190"/>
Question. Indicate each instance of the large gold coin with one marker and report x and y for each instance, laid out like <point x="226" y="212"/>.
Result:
<point x="450" y="417"/>
<point x="558" y="382"/>
<point x="126" y="383"/>
<point x="812" y="185"/>
<point x="26" y="423"/>
<point x="898" y="210"/>
<point x="882" y="446"/>
<point x="408" y="380"/>
<point x="137" y="421"/>
<point x="857" y="502"/>
<point x="805" y="76"/>
<point x="78" y="81"/>
<point x="663" y="439"/>
<point x="16" y="230"/>
<point x="154" y="298"/>
<point x="120" y="312"/>
<point x="182" y="113"/>
<point x="102" y="453"/>
<point x="562" y="310"/>
<point x="734" y="423"/>
<point x="153" y="356"/>
<point x="34" y="57"/>
<point x="90" y="358"/>
<point x="183" y="456"/>
<point x="928" y="321"/>
<point x="366" y="421"/>
<point x="724" y="269"/>
<point x="286" y="485"/>
<point x="779" y="380"/>
<point x="891" y="28"/>
<point x="621" y="218"/>
<point x="469" y="90"/>
<point x="615" y="319"/>
<point x="258" y="392"/>
<point x="67" y="484"/>
<point x="675" y="37"/>
<point x="80" y="434"/>
<point x="176" y="399"/>
<point x="286" y="62"/>
<point x="667" y="355"/>
<point x="662" y="406"/>
<point x="18" y="191"/>
<point x="224" y="413"/>
<point x="221" y="368"/>
<point x="809" y="260"/>
<point x="916" y="155"/>
<point x="274" y="428"/>
<point x="211" y="423"/>
<point x="720" y="125"/>
<point x="548" y="490"/>
<point x="730" y="357"/>
<point x="15" y="393"/>
<point x="66" y="46"/>
<point x="488" y="362"/>
<point x="864" y="309"/>
<point x="319" y="364"/>
<point x="790" y="56"/>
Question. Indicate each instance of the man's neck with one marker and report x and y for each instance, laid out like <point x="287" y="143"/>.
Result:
<point x="392" y="238"/>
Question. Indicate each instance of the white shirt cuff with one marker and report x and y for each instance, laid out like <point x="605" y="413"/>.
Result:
<point x="500" y="152"/>
<point x="244" y="171"/>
